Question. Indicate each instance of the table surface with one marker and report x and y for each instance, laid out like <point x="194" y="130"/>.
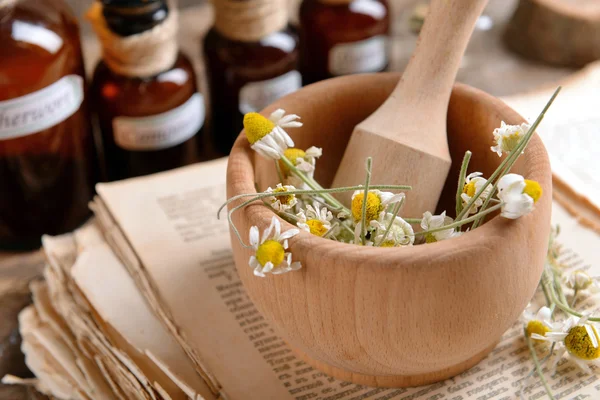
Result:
<point x="488" y="65"/>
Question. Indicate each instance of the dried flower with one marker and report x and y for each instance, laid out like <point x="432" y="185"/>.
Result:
<point x="579" y="339"/>
<point x="518" y="195"/>
<point x="305" y="161"/>
<point x="578" y="279"/>
<point x="282" y="201"/>
<point x="507" y="137"/>
<point x="377" y="202"/>
<point x="401" y="232"/>
<point x="267" y="136"/>
<point x="315" y="220"/>
<point x="431" y="222"/>
<point x="270" y="251"/>
<point x="540" y="323"/>
<point x="473" y="184"/>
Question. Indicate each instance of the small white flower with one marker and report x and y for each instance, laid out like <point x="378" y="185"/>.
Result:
<point x="431" y="222"/>
<point x="401" y="232"/>
<point x="315" y="220"/>
<point x="377" y="202"/>
<point x="507" y="137"/>
<point x="282" y="201"/>
<point x="578" y="279"/>
<point x="539" y="323"/>
<point x="518" y="195"/>
<point x="267" y="136"/>
<point x="270" y="251"/>
<point x="578" y="338"/>
<point x="473" y="184"/>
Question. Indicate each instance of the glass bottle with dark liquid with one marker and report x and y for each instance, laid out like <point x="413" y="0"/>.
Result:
<point x="149" y="123"/>
<point x="251" y="59"/>
<point x="340" y="37"/>
<point x="48" y="164"/>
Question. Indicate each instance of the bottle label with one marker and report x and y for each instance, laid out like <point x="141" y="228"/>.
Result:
<point x="369" y="55"/>
<point x="163" y="130"/>
<point x="255" y="96"/>
<point x="41" y="110"/>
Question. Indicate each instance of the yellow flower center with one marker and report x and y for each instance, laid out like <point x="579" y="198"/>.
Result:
<point x="580" y="344"/>
<point x="270" y="251"/>
<point x="533" y="190"/>
<point x="510" y="142"/>
<point x="388" y="243"/>
<point x="257" y="127"/>
<point x="287" y="199"/>
<point x="535" y="326"/>
<point x="374" y="206"/>
<point x="470" y="189"/>
<point x="429" y="238"/>
<point x="292" y="154"/>
<point x="316" y="227"/>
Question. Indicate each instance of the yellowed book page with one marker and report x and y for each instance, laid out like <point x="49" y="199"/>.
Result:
<point x="186" y="254"/>
<point x="129" y="322"/>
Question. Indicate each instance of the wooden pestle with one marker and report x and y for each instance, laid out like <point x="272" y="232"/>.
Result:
<point x="406" y="136"/>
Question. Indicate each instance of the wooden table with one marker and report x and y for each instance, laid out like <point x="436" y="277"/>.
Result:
<point x="487" y="65"/>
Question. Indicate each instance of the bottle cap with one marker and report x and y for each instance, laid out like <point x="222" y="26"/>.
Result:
<point x="130" y="17"/>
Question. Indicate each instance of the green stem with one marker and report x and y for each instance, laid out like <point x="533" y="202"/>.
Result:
<point x="389" y="227"/>
<point x="413" y="220"/>
<point x="279" y="173"/>
<point x="256" y="196"/>
<point x="461" y="180"/>
<point x="462" y="222"/>
<point x="313" y="184"/>
<point x="512" y="157"/>
<point x="538" y="367"/>
<point x="363" y="219"/>
<point x="484" y="206"/>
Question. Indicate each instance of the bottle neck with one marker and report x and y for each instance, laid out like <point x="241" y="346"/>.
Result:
<point x="140" y="50"/>
<point x="250" y="20"/>
<point x="126" y="18"/>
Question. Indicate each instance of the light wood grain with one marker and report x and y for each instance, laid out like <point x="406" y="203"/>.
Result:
<point x="406" y="136"/>
<point x="557" y="32"/>
<point x="396" y="317"/>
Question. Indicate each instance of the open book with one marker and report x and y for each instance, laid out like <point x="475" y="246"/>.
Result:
<point x="145" y="302"/>
<point x="571" y="133"/>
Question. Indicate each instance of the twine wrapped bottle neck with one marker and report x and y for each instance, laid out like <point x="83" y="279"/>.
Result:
<point x="335" y="2"/>
<point x="249" y="20"/>
<point x="140" y="55"/>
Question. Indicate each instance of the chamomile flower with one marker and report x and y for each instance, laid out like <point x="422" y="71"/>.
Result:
<point x="280" y="200"/>
<point x="578" y="279"/>
<point x="518" y="195"/>
<point x="578" y="338"/>
<point x="315" y="220"/>
<point x="267" y="136"/>
<point x="507" y="137"/>
<point x="473" y="184"/>
<point x="305" y="161"/>
<point x="377" y="202"/>
<point x="431" y="222"/>
<point x="401" y="232"/>
<point x="270" y="251"/>
<point x="539" y="323"/>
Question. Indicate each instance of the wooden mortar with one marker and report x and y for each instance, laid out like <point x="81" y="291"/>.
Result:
<point x="395" y="316"/>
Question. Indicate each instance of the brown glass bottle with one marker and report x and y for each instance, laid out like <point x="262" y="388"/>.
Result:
<point x="47" y="158"/>
<point x="246" y="76"/>
<point x="148" y="124"/>
<point x="342" y="37"/>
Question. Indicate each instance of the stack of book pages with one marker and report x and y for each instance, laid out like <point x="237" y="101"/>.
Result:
<point x="144" y="302"/>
